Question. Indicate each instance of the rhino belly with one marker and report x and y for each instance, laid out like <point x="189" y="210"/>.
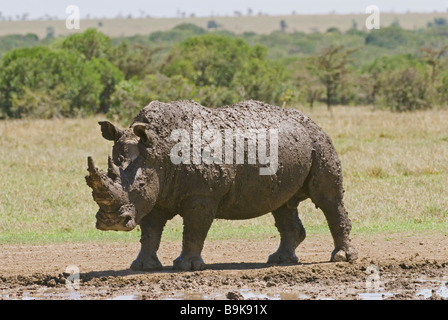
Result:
<point x="255" y="195"/>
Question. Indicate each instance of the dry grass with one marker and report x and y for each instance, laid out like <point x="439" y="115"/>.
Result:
<point x="257" y="24"/>
<point x="395" y="175"/>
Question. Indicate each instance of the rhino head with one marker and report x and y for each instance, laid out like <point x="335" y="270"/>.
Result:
<point x="128" y="191"/>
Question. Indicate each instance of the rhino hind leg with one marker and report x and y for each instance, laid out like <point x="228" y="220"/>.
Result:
<point x="340" y="226"/>
<point x="326" y="192"/>
<point x="292" y="233"/>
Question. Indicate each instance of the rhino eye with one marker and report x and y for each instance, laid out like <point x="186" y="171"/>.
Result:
<point x="120" y="159"/>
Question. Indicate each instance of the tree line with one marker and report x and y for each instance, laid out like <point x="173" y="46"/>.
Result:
<point x="88" y="73"/>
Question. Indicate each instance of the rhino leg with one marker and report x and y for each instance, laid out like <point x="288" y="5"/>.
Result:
<point x="340" y="226"/>
<point x="152" y="226"/>
<point x="198" y="215"/>
<point x="326" y="192"/>
<point x="292" y="233"/>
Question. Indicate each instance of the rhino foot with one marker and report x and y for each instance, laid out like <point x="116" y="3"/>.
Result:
<point x="191" y="263"/>
<point x="283" y="258"/>
<point x="340" y="255"/>
<point x="146" y="263"/>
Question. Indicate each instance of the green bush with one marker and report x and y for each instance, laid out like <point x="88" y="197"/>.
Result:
<point x="41" y="104"/>
<point x="91" y="44"/>
<point x="441" y="88"/>
<point x="83" y="87"/>
<point x="133" y="59"/>
<point x="390" y="37"/>
<point x="109" y="77"/>
<point x="177" y="34"/>
<point x="87" y="73"/>
<point x="14" y="41"/>
<point x="226" y="69"/>
<point x="405" y="90"/>
<point x="131" y="95"/>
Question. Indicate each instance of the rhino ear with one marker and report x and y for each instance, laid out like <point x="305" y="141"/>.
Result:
<point x="109" y="131"/>
<point x="145" y="135"/>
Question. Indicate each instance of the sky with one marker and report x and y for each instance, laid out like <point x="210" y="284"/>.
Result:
<point x="172" y="8"/>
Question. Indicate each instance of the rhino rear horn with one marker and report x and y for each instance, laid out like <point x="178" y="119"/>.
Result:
<point x="113" y="171"/>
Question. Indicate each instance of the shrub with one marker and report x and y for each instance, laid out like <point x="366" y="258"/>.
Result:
<point x="39" y="104"/>
<point x="26" y="74"/>
<point x="390" y="37"/>
<point x="228" y="66"/>
<point x="405" y="90"/>
<point x="131" y="95"/>
<point x="91" y="44"/>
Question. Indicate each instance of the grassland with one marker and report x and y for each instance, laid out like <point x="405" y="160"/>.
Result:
<point x="259" y="24"/>
<point x="395" y="174"/>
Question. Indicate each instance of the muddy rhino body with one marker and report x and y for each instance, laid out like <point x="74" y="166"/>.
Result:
<point x="144" y="186"/>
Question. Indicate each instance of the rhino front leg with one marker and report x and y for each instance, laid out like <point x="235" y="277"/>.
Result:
<point x="152" y="226"/>
<point x="198" y="215"/>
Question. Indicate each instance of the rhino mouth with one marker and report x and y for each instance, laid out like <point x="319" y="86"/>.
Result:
<point x="115" y="212"/>
<point x="114" y="221"/>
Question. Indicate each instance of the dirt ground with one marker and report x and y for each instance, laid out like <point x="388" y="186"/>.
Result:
<point x="394" y="266"/>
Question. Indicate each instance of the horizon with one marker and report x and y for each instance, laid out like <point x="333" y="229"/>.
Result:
<point x="124" y="17"/>
<point x="56" y="9"/>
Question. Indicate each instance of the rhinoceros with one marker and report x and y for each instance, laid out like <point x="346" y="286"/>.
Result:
<point x="181" y="158"/>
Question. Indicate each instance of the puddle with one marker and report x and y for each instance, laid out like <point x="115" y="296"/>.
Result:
<point x="245" y="294"/>
<point x="442" y="290"/>
<point x="375" y="295"/>
<point x="189" y="296"/>
<point x="126" y="297"/>
<point x="426" y="292"/>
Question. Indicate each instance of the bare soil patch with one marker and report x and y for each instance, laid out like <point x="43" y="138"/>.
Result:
<point x="395" y="266"/>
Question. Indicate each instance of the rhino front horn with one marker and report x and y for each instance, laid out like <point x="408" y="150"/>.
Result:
<point x="107" y="194"/>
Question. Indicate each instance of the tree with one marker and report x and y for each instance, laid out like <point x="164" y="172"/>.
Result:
<point x="283" y="25"/>
<point x="133" y="59"/>
<point x="13" y="41"/>
<point x="50" y="32"/>
<point x="131" y="95"/>
<point x="109" y="77"/>
<point x="438" y="22"/>
<point x="433" y="58"/>
<point x="405" y="90"/>
<point x="225" y="69"/>
<point x="437" y="84"/>
<point x="208" y="60"/>
<point x="212" y="24"/>
<point x="375" y="77"/>
<point x="91" y="43"/>
<point x="177" y="34"/>
<point x="331" y="66"/>
<point x="32" y="79"/>
<point x="260" y="80"/>
<point x="389" y="37"/>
